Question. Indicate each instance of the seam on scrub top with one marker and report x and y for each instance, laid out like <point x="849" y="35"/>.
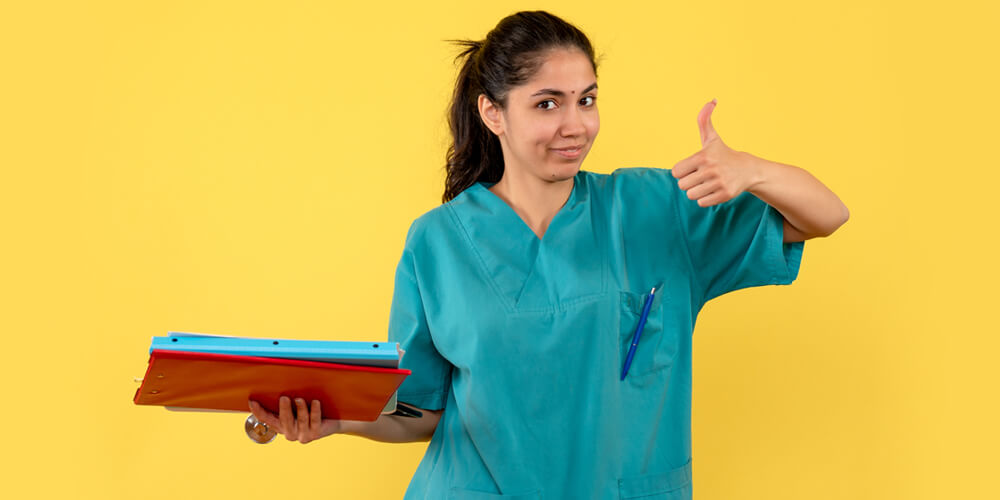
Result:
<point x="780" y="258"/>
<point x="769" y="257"/>
<point x="605" y="226"/>
<point x="423" y="311"/>
<point x="563" y="306"/>
<point x="440" y="397"/>
<point x="687" y="245"/>
<point x="527" y="277"/>
<point x="422" y="394"/>
<point x="482" y="262"/>
<point x="776" y="249"/>
<point x="796" y="249"/>
<point x="781" y="274"/>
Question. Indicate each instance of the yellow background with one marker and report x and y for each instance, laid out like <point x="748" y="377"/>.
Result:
<point x="251" y="169"/>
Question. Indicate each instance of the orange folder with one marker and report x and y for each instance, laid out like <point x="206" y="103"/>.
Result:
<point x="225" y="382"/>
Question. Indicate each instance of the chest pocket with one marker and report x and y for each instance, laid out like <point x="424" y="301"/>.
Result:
<point x="657" y="346"/>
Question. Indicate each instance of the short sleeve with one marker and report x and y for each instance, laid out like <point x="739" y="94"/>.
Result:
<point x="737" y="244"/>
<point x="427" y="386"/>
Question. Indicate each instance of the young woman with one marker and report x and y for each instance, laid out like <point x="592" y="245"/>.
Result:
<point x="518" y="299"/>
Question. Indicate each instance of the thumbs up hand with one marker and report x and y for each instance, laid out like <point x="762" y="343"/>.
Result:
<point x="717" y="173"/>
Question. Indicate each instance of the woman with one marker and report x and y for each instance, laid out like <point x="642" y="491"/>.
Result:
<point x="517" y="300"/>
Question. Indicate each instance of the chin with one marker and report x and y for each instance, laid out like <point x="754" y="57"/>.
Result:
<point x="563" y="171"/>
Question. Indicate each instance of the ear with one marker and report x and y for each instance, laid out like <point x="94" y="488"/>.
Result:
<point x="491" y="115"/>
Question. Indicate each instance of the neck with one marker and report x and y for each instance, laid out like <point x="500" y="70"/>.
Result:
<point x="535" y="200"/>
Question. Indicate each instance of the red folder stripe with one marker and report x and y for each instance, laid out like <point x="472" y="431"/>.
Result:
<point x="226" y="382"/>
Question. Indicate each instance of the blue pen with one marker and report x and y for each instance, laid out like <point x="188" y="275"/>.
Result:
<point x="638" y="332"/>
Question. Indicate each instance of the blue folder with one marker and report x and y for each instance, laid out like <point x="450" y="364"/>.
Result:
<point x="384" y="354"/>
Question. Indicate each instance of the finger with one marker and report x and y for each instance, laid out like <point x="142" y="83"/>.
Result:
<point x="264" y="416"/>
<point x="285" y="416"/>
<point x="713" y="199"/>
<point x="303" y="418"/>
<point x="702" y="190"/>
<point x="693" y="179"/>
<point x="687" y="165"/>
<point x="316" y="419"/>
<point x="705" y="128"/>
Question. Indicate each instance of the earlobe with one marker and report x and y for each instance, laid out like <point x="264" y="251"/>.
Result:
<point x="490" y="115"/>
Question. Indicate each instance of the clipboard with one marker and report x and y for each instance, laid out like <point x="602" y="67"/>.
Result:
<point x="214" y="381"/>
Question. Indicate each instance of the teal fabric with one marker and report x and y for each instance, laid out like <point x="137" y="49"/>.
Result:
<point x="522" y="340"/>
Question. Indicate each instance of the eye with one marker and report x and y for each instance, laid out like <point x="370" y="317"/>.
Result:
<point x="593" y="100"/>
<point x="541" y="104"/>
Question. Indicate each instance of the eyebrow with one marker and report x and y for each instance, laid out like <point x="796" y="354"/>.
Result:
<point x="559" y="93"/>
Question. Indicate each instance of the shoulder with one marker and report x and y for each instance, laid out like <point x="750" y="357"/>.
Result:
<point x="439" y="223"/>
<point x="633" y="183"/>
<point x="638" y="175"/>
<point x="428" y="225"/>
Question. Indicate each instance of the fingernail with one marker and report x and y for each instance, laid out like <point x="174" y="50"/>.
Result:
<point x="713" y="101"/>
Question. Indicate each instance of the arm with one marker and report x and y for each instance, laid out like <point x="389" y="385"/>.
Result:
<point x="395" y="428"/>
<point x="306" y="424"/>
<point x="810" y="208"/>
<point x="718" y="173"/>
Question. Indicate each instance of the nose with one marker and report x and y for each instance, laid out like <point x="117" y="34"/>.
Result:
<point x="572" y="124"/>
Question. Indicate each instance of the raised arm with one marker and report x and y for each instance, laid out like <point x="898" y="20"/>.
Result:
<point x="717" y="174"/>
<point x="809" y="207"/>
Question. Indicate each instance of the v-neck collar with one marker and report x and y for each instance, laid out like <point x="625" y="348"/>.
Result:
<point x="481" y="190"/>
<point x="529" y="273"/>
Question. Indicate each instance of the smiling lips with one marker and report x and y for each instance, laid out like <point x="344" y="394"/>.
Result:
<point x="570" y="152"/>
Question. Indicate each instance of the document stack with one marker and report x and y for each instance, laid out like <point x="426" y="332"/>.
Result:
<point x="191" y="371"/>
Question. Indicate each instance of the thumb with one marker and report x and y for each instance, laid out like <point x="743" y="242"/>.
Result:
<point x="705" y="127"/>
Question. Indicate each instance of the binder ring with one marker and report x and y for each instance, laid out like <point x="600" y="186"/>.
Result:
<point x="258" y="431"/>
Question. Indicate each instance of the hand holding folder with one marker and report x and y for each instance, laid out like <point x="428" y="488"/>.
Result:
<point x="215" y="373"/>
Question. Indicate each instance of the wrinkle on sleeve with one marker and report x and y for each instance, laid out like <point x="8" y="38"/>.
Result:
<point x="427" y="386"/>
<point x="737" y="244"/>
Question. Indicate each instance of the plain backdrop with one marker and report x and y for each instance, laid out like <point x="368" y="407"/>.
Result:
<point x="251" y="168"/>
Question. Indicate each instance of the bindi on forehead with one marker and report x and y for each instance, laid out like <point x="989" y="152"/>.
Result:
<point x="560" y="93"/>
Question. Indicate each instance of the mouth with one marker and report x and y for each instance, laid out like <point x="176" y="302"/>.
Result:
<point x="571" y="152"/>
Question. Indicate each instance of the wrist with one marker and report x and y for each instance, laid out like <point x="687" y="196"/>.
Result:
<point x="350" y="427"/>
<point x="761" y="172"/>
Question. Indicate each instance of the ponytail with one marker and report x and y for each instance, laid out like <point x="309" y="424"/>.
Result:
<point x="475" y="153"/>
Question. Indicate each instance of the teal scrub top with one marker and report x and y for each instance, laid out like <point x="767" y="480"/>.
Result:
<point x="521" y="340"/>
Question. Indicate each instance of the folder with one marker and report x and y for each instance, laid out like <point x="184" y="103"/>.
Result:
<point x="384" y="354"/>
<point x="217" y="381"/>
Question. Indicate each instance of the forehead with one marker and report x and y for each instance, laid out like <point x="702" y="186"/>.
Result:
<point x="568" y="70"/>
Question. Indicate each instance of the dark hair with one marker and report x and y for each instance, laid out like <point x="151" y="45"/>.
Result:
<point x="511" y="53"/>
